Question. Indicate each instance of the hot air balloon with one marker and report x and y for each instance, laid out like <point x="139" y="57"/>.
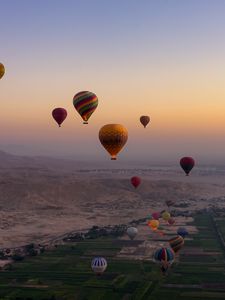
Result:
<point x="182" y="231"/>
<point x="85" y="103"/>
<point x="187" y="163"/>
<point x="113" y="137"/>
<point x="59" y="114"/>
<point x="154" y="224"/>
<point x="171" y="221"/>
<point x="166" y="215"/>
<point x="176" y="243"/>
<point x="8" y="251"/>
<point x="170" y="203"/>
<point x="156" y="215"/>
<point x="144" y="120"/>
<point x="135" y="181"/>
<point x="164" y="256"/>
<point x="99" y="265"/>
<point x="2" y="70"/>
<point x="149" y="216"/>
<point x="132" y="232"/>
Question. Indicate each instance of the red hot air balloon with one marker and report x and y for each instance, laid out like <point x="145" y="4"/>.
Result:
<point x="156" y="215"/>
<point x="187" y="163"/>
<point x="171" y="221"/>
<point x="144" y="120"/>
<point x="59" y="114"/>
<point x="135" y="181"/>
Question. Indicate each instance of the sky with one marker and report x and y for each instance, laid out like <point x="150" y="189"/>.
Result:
<point x="162" y="58"/>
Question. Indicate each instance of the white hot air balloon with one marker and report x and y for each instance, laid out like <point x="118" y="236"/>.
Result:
<point x="99" y="265"/>
<point x="132" y="232"/>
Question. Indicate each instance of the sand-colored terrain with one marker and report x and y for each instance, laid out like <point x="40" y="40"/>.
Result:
<point x="42" y="198"/>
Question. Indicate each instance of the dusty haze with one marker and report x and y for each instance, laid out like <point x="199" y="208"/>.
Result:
<point x="42" y="198"/>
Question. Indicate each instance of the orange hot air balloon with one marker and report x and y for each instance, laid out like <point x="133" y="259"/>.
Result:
<point x="144" y="120"/>
<point x="2" y="70"/>
<point x="154" y="224"/>
<point x="113" y="137"/>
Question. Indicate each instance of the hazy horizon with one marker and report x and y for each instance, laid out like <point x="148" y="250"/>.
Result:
<point x="166" y="60"/>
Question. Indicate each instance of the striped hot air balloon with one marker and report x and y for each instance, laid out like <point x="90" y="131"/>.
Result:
<point x="85" y="103"/>
<point x="99" y="265"/>
<point x="176" y="243"/>
<point x="164" y="255"/>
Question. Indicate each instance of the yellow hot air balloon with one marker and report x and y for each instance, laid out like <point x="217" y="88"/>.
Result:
<point x="113" y="137"/>
<point x="2" y="70"/>
<point x="166" y="215"/>
<point x="154" y="224"/>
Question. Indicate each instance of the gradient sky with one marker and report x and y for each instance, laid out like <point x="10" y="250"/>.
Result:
<point x="164" y="58"/>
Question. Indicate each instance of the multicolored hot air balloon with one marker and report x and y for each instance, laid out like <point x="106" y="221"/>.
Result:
<point x="132" y="232"/>
<point x="85" y="103"/>
<point x="135" y="181"/>
<point x="144" y="120"/>
<point x="187" y="163"/>
<point x="182" y="231"/>
<point x="2" y="70"/>
<point x="156" y="215"/>
<point x="99" y="265"/>
<point x="59" y="114"/>
<point x="154" y="224"/>
<point x="166" y="215"/>
<point x="113" y="137"/>
<point x="164" y="256"/>
<point x="176" y="243"/>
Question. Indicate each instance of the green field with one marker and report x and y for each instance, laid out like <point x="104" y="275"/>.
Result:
<point x="65" y="273"/>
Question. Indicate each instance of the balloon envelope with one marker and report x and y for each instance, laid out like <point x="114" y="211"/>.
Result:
<point x="59" y="114"/>
<point x="187" y="163"/>
<point x="99" y="265"/>
<point x="156" y="215"/>
<point x="166" y="215"/>
<point x="164" y="255"/>
<point x="135" y="181"/>
<point x="132" y="232"/>
<point x="171" y="221"/>
<point x="154" y="224"/>
<point x="144" y="120"/>
<point x="85" y="103"/>
<point x="2" y="70"/>
<point x="113" y="137"/>
<point x="176" y="243"/>
<point x="182" y="231"/>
